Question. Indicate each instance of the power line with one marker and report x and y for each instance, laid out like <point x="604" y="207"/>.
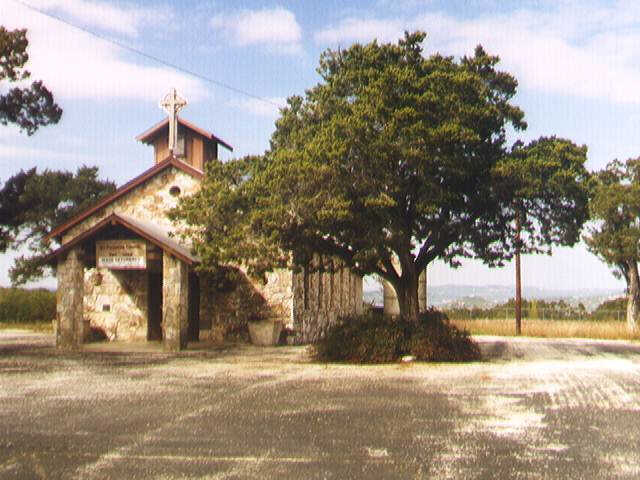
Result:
<point x="147" y="55"/>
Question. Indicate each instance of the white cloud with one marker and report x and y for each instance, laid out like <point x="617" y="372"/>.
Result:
<point x="126" y="19"/>
<point x="568" y="48"/>
<point x="261" y="108"/>
<point x="74" y="64"/>
<point x="16" y="151"/>
<point x="276" y="29"/>
<point x="10" y="132"/>
<point x="361" y="30"/>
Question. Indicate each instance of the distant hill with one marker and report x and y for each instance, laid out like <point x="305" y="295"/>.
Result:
<point x="489" y="295"/>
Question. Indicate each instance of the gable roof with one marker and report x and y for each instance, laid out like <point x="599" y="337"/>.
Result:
<point x="150" y="135"/>
<point x="149" y="232"/>
<point x="124" y="189"/>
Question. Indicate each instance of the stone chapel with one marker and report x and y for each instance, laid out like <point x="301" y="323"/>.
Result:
<point x="120" y="269"/>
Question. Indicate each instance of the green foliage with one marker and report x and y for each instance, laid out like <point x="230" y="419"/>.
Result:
<point x="29" y="202"/>
<point x="610" y="310"/>
<point x="615" y="232"/>
<point x="547" y="185"/>
<point x="373" y="338"/>
<point x="19" y="305"/>
<point x="391" y="153"/>
<point x="367" y="338"/>
<point x="434" y="339"/>
<point x="391" y="156"/>
<point x="27" y="107"/>
<point x="615" y="209"/>
<point x="32" y="203"/>
<point x="544" y="309"/>
<point x="219" y="221"/>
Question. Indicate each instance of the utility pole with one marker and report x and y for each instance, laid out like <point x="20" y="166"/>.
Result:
<point x="518" y="283"/>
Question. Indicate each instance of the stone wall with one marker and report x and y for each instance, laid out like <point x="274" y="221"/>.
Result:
<point x="175" y="297"/>
<point x="69" y="320"/>
<point x="321" y="298"/>
<point x="149" y="202"/>
<point x="125" y="292"/>
<point x="115" y="301"/>
<point x="225" y="312"/>
<point x="305" y="302"/>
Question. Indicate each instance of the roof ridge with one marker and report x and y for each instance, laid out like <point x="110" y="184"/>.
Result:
<point x="151" y="133"/>
<point x="124" y="189"/>
<point x="139" y="228"/>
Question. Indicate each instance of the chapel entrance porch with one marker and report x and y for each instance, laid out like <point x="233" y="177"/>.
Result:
<point x="149" y="295"/>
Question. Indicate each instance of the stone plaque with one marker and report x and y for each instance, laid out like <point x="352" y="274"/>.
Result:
<point x="121" y="254"/>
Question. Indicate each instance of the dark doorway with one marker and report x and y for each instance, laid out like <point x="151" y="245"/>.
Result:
<point x="154" y="323"/>
<point x="194" y="307"/>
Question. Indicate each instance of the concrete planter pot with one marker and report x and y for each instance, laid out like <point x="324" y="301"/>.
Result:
<point x="265" y="332"/>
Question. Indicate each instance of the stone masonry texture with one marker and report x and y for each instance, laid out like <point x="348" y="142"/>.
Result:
<point x="116" y="302"/>
<point x="175" y="288"/>
<point x="70" y="293"/>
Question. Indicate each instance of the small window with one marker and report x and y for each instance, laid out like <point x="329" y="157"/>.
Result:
<point x="174" y="191"/>
<point x="106" y="307"/>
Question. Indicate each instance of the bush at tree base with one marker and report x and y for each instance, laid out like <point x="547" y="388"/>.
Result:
<point x="374" y="338"/>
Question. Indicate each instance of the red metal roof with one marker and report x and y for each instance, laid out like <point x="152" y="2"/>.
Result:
<point x="127" y="187"/>
<point x="150" y="135"/>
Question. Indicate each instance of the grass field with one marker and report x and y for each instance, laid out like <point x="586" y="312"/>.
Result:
<point x="40" y="327"/>
<point x="611" y="330"/>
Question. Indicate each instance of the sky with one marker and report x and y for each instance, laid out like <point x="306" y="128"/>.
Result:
<point x="577" y="64"/>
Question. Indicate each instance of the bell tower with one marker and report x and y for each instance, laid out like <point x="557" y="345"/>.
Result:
<point x="175" y="137"/>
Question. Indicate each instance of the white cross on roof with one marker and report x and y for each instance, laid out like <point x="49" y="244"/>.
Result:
<point x="172" y="103"/>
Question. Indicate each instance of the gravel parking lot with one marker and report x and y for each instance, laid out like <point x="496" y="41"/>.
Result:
<point x="535" y="408"/>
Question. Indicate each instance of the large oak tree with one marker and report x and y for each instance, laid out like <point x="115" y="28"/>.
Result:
<point x="392" y="156"/>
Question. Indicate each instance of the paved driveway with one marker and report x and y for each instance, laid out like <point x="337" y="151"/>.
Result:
<point x="534" y="409"/>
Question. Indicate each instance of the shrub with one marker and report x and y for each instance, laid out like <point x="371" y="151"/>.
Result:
<point x="20" y="305"/>
<point x="368" y="338"/>
<point x="434" y="339"/>
<point x="373" y="338"/>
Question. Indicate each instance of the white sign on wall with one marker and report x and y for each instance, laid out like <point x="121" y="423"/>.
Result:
<point x="121" y="254"/>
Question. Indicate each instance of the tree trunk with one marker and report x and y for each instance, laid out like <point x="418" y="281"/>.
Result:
<point x="407" y="291"/>
<point x="409" y="308"/>
<point x="633" y="297"/>
<point x="518" y="279"/>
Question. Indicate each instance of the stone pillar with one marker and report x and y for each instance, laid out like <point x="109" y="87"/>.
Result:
<point x="390" y="305"/>
<point x="175" y="302"/>
<point x="69" y="301"/>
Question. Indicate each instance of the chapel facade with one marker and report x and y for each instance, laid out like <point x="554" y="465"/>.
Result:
<point x="121" y="269"/>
